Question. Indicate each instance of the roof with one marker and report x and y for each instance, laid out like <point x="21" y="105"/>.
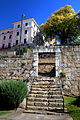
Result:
<point x="26" y="20"/>
<point x="6" y="29"/>
<point x="19" y="22"/>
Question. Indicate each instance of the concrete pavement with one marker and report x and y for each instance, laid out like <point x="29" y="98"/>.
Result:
<point x="28" y="116"/>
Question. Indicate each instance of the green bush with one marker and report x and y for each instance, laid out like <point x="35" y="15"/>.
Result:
<point x="12" y="93"/>
<point x="21" y="51"/>
<point x="77" y="101"/>
<point x="62" y="74"/>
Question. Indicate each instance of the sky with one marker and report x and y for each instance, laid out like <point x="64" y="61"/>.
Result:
<point x="40" y="10"/>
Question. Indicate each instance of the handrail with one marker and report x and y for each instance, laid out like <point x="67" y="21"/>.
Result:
<point x="30" y="75"/>
<point x="30" y="87"/>
<point x="61" y="87"/>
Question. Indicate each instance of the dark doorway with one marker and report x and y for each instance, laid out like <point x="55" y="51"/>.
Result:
<point x="46" y="64"/>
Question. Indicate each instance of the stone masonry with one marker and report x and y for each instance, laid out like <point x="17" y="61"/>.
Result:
<point x="70" y="65"/>
<point x="16" y="67"/>
<point x="67" y="60"/>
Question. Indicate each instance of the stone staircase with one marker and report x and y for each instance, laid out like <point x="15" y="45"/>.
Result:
<point x="45" y="96"/>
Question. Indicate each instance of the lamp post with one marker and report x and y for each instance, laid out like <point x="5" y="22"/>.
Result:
<point x="23" y="16"/>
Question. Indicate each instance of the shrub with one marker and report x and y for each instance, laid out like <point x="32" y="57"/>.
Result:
<point x="62" y="74"/>
<point x="77" y="101"/>
<point x="12" y="93"/>
<point x="21" y="51"/>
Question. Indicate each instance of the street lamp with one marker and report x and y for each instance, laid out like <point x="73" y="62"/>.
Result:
<point x="23" y="16"/>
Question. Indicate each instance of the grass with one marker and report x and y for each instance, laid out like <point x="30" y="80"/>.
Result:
<point x="73" y="110"/>
<point x="4" y="112"/>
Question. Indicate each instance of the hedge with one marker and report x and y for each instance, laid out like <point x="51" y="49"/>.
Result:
<point x="12" y="93"/>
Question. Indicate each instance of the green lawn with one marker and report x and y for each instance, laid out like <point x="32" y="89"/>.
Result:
<point x="73" y="110"/>
<point x="3" y="112"/>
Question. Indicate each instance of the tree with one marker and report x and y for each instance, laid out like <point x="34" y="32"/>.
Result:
<point x="64" y="24"/>
<point x="38" y="39"/>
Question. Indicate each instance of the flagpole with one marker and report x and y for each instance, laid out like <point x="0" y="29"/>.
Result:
<point x="23" y="16"/>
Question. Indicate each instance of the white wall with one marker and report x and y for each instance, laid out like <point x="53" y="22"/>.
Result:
<point x="7" y="40"/>
<point x="31" y="28"/>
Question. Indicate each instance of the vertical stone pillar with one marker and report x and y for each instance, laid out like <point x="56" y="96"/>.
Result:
<point x="57" y="61"/>
<point x="35" y="62"/>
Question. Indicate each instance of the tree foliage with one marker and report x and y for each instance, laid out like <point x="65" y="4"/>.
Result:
<point x="38" y="39"/>
<point x="12" y="93"/>
<point x="63" y="23"/>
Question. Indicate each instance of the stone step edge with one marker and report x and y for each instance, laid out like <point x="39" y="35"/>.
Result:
<point x="43" y="112"/>
<point x="60" y="109"/>
<point x="45" y="78"/>
<point x="45" y="86"/>
<point x="45" y="100"/>
<point x="45" y="92"/>
<point x="45" y="105"/>
<point x="37" y="107"/>
<point x="45" y="96"/>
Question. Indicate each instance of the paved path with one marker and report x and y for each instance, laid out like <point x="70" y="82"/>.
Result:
<point x="28" y="116"/>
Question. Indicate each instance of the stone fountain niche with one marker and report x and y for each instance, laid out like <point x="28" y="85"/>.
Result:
<point x="46" y="64"/>
<point x="47" y="61"/>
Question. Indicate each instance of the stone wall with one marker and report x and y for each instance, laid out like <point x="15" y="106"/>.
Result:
<point x="67" y="60"/>
<point x="18" y="68"/>
<point x="70" y="65"/>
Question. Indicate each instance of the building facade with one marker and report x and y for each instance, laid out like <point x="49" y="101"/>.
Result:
<point x="11" y="37"/>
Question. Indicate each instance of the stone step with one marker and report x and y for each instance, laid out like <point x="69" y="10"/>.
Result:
<point x="45" y="89"/>
<point x="45" y="96"/>
<point x="44" y="108"/>
<point x="32" y="99"/>
<point x="46" y="80"/>
<point x="44" y="112"/>
<point x="50" y="104"/>
<point x="42" y="83"/>
<point x="44" y="86"/>
<point x="45" y="83"/>
<point x="46" y="92"/>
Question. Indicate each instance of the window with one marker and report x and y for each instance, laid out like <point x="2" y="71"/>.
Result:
<point x="24" y="40"/>
<point x="3" y="46"/>
<point x="9" y="45"/>
<point x="4" y="37"/>
<point x="17" y="33"/>
<point x="10" y="36"/>
<point x="25" y="31"/>
<point x="26" y="24"/>
<point x="18" y="26"/>
<point x="16" y="42"/>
